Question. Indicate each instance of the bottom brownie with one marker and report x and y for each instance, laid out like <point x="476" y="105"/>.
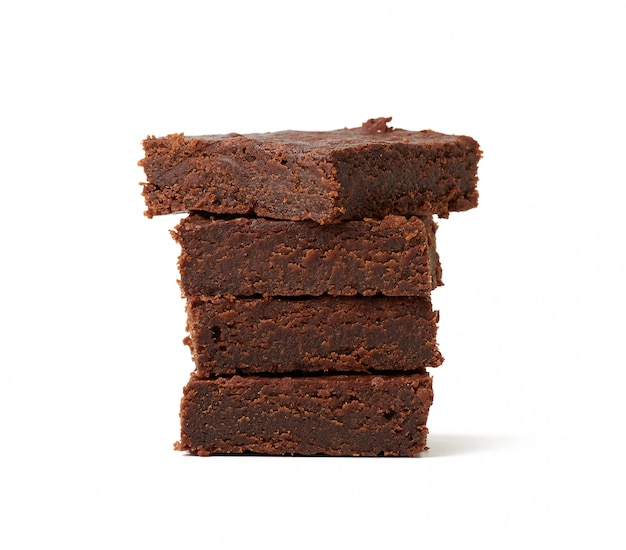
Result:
<point x="349" y="415"/>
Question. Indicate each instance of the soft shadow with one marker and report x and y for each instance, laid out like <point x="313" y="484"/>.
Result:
<point x="440" y="445"/>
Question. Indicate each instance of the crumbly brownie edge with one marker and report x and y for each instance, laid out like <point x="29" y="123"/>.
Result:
<point x="238" y="175"/>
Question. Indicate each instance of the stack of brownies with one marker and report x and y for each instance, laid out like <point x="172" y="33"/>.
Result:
<point x="307" y="263"/>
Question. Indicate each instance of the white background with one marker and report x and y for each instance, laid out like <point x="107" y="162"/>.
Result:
<point x="527" y="429"/>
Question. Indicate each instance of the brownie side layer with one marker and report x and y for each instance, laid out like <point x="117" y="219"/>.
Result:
<point x="324" y="334"/>
<point x="371" y="171"/>
<point x="248" y="256"/>
<point x="334" y="415"/>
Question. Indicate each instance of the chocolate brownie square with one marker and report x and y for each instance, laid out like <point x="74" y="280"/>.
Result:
<point x="230" y="335"/>
<point x="347" y="174"/>
<point x="356" y="415"/>
<point x="394" y="256"/>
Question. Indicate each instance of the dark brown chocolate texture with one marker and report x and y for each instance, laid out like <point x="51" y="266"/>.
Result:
<point x="370" y="171"/>
<point x="327" y="334"/>
<point x="307" y="263"/>
<point x="356" y="415"/>
<point x="248" y="256"/>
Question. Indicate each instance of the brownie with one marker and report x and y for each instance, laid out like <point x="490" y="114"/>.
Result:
<point x="367" y="415"/>
<point x="230" y="335"/>
<point x="347" y="174"/>
<point x="248" y="256"/>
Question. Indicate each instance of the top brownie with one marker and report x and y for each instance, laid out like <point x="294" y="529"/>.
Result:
<point x="349" y="174"/>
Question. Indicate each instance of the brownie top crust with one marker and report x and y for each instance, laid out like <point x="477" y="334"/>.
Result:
<point x="347" y="174"/>
<point x="369" y="133"/>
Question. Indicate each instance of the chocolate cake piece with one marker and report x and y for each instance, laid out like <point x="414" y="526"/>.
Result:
<point x="355" y="173"/>
<point x="230" y="335"/>
<point x="356" y="415"/>
<point x="248" y="256"/>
